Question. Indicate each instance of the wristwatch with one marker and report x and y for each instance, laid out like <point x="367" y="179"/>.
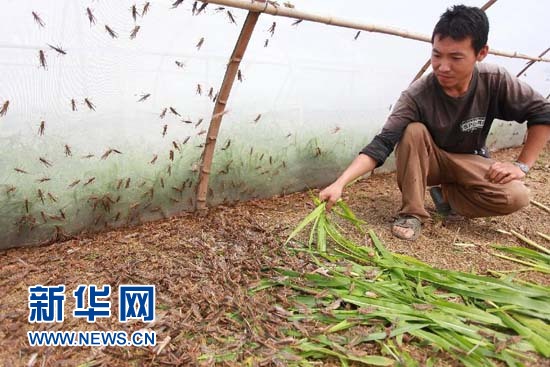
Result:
<point x="522" y="166"/>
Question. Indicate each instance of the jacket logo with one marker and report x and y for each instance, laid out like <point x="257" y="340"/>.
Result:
<point x="472" y="124"/>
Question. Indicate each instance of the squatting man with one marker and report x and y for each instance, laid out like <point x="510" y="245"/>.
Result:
<point x="440" y="125"/>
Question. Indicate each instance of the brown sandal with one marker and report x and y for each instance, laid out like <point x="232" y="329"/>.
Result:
<point x="407" y="221"/>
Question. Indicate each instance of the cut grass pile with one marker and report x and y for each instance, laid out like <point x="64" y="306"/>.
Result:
<point x="367" y="294"/>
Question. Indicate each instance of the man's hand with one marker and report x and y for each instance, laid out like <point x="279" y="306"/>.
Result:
<point x="360" y="165"/>
<point x="331" y="194"/>
<point x="504" y="172"/>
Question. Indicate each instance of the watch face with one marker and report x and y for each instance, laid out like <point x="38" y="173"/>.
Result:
<point x="522" y="166"/>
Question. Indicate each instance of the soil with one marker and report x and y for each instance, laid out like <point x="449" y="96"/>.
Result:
<point x="203" y="268"/>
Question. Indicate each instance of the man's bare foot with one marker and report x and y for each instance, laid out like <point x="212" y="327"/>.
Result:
<point x="401" y="232"/>
<point x="407" y="227"/>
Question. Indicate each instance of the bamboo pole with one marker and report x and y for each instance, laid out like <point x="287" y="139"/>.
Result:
<point x="426" y="65"/>
<point x="532" y="62"/>
<point x="422" y="70"/>
<point x="268" y="8"/>
<point x="488" y="4"/>
<point x="219" y="108"/>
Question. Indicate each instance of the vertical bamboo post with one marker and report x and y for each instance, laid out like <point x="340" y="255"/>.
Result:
<point x="219" y="108"/>
<point x="427" y="64"/>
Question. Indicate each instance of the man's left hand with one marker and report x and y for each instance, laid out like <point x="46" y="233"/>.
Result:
<point x="504" y="172"/>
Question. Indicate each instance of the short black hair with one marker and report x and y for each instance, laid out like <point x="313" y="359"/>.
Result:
<point x="461" y="22"/>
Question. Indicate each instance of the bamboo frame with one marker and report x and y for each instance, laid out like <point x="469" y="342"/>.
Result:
<point x="422" y="70"/>
<point x="425" y="67"/>
<point x="219" y="108"/>
<point x="262" y="6"/>
<point x="488" y="4"/>
<point x="532" y="62"/>
<point x="255" y="8"/>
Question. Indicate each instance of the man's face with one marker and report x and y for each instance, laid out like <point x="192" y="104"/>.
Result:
<point x="453" y="62"/>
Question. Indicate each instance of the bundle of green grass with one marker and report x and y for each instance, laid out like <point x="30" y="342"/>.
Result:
<point x="368" y="294"/>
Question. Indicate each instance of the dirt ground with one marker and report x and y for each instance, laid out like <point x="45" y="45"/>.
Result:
<point x="203" y="268"/>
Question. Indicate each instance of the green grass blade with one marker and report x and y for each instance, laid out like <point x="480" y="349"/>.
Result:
<point x="348" y="214"/>
<point x="541" y="345"/>
<point x="530" y="242"/>
<point x="342" y="325"/>
<point x="308" y="346"/>
<point x="539" y="326"/>
<point x="311" y="216"/>
<point x="525" y="252"/>
<point x="322" y="234"/>
<point x="532" y="265"/>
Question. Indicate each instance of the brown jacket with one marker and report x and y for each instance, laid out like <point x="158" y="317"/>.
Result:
<point x="461" y="124"/>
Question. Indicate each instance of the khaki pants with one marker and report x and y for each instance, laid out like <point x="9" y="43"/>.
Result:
<point x="421" y="163"/>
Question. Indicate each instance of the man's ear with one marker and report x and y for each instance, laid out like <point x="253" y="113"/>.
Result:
<point x="482" y="53"/>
